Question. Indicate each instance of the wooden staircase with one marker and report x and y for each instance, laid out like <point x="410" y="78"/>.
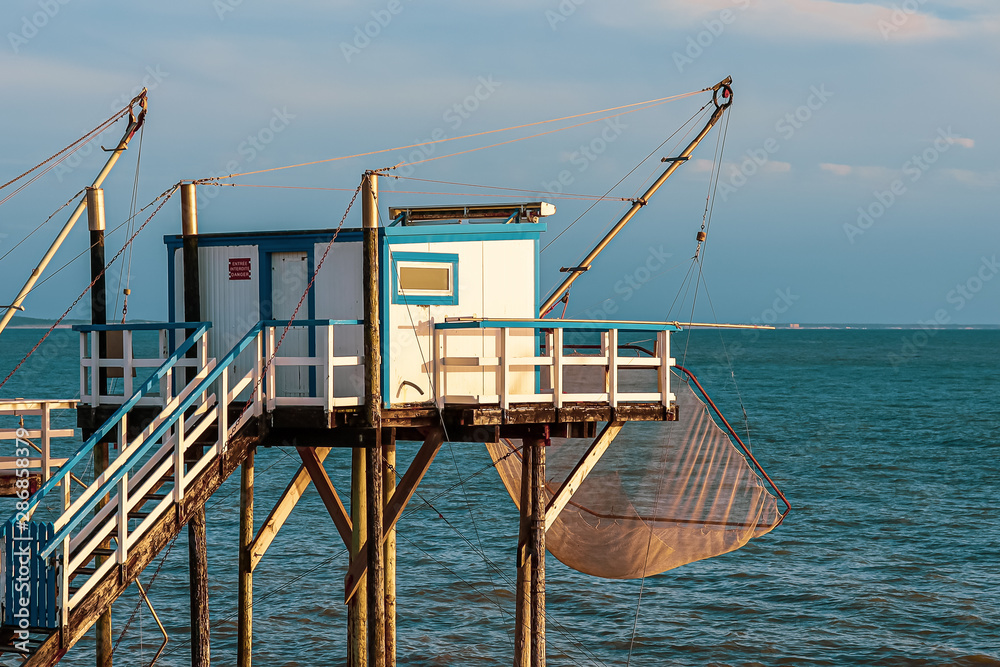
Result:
<point x="161" y="477"/>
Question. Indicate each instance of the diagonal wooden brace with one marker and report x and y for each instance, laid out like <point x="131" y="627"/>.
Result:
<point x="394" y="508"/>
<point x="282" y="509"/>
<point x="580" y="472"/>
<point x="326" y="491"/>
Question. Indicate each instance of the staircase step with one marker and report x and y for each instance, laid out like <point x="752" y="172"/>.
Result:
<point x="153" y="496"/>
<point x="101" y="551"/>
<point x="137" y="515"/>
<point x="83" y="570"/>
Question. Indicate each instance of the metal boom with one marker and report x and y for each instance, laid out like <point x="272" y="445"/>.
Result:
<point x="720" y="107"/>
<point x="133" y="125"/>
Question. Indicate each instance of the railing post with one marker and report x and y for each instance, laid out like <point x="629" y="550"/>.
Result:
<point x="95" y="368"/>
<point x="663" y="350"/>
<point x="122" y="553"/>
<point x="127" y="362"/>
<point x="179" y="448"/>
<point x="439" y="370"/>
<point x="223" y="406"/>
<point x="64" y="590"/>
<point x="46" y="440"/>
<point x="503" y="373"/>
<point x="271" y="381"/>
<point x="557" y="368"/>
<point x="83" y="366"/>
<point x="258" y="407"/>
<point x="328" y="402"/>
<point x="611" y="340"/>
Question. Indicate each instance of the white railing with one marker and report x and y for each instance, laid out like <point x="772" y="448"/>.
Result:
<point x="40" y="439"/>
<point x="325" y="361"/>
<point x="511" y="366"/>
<point x="120" y="362"/>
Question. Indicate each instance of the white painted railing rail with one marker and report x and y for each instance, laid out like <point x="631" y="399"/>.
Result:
<point x="553" y="371"/>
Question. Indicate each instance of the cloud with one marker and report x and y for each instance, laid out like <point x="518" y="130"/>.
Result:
<point x="964" y="142"/>
<point x="824" y="20"/>
<point x="976" y="179"/>
<point x="838" y="169"/>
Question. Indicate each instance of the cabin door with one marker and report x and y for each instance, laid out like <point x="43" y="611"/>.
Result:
<point x="289" y="278"/>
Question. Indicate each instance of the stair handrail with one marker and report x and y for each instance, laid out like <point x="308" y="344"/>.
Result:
<point x="111" y="483"/>
<point x="200" y="329"/>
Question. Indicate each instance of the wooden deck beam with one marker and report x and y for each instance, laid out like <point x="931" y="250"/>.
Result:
<point x="337" y="511"/>
<point x="282" y="509"/>
<point x="394" y="508"/>
<point x="580" y="472"/>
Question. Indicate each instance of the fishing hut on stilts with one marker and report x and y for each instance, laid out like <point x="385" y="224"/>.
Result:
<point x="425" y="326"/>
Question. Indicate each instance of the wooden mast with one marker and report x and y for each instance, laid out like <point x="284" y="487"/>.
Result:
<point x="373" y="403"/>
<point x="197" y="537"/>
<point x="675" y="163"/>
<point x="99" y="315"/>
<point x="244" y="648"/>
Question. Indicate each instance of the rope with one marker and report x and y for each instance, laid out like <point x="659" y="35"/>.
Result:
<point x="562" y="195"/>
<point x="54" y="213"/>
<point x="530" y="136"/>
<point x="465" y="136"/>
<point x="165" y="196"/>
<point x="75" y="146"/>
<point x="312" y="281"/>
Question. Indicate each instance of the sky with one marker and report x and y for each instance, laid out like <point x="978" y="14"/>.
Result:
<point x="855" y="185"/>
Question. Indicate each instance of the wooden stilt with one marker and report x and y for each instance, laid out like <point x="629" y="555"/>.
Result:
<point x="198" y="570"/>
<point x="103" y="627"/>
<point x="538" y="503"/>
<point x="244" y="649"/>
<point x="522" y="615"/>
<point x="357" y="610"/>
<point x="376" y="566"/>
<point x="388" y="487"/>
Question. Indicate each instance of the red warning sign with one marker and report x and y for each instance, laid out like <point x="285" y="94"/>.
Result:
<point x="239" y="268"/>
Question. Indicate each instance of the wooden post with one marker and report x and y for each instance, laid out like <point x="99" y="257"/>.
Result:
<point x="99" y="315"/>
<point x="197" y="538"/>
<point x="357" y="610"/>
<point x="388" y="488"/>
<point x="373" y="404"/>
<point x="244" y="649"/>
<point x="538" y="503"/>
<point x="103" y="626"/>
<point x="522" y="615"/>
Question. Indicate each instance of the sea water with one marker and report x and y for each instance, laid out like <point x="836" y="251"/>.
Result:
<point x="885" y="442"/>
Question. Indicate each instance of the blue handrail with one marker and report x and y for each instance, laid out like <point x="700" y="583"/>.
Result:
<point x="579" y="325"/>
<point x="138" y="326"/>
<point x="109" y="484"/>
<point x="146" y="387"/>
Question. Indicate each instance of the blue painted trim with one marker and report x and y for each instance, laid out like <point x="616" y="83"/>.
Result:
<point x="575" y="325"/>
<point x="311" y="311"/>
<point x="115" y="418"/>
<point x="384" y="253"/>
<point x="276" y="241"/>
<point x="308" y="323"/>
<point x="140" y="326"/>
<point x="424" y="300"/>
<point x="83" y="514"/>
<point x="171" y="288"/>
<point x="458" y="237"/>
